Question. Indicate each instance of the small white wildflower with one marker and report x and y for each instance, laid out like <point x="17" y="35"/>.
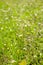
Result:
<point x="1" y="28"/>
<point x="35" y="14"/>
<point x="40" y="54"/>
<point x="8" y="48"/>
<point x="25" y="48"/>
<point x="10" y="29"/>
<point x="35" y="56"/>
<point x="12" y="16"/>
<point x="25" y="25"/>
<point x="20" y="35"/>
<point x="11" y="45"/>
<point x="4" y="44"/>
<point x="12" y="61"/>
<point x="39" y="23"/>
<point x="15" y="43"/>
<point x="6" y="18"/>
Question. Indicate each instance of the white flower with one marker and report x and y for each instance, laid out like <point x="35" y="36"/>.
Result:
<point x="35" y="14"/>
<point x="4" y="44"/>
<point x="1" y="28"/>
<point x="42" y="10"/>
<point x="40" y="54"/>
<point x="25" y="48"/>
<point x="35" y="56"/>
<point x="12" y="61"/>
<point x="10" y="29"/>
<point x="6" y="18"/>
<point x="25" y="25"/>
<point x="20" y="35"/>
<point x="8" y="48"/>
<point x="12" y="16"/>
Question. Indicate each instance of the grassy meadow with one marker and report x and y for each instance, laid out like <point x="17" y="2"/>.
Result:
<point x="21" y="32"/>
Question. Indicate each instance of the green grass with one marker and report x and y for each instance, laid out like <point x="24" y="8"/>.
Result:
<point x="21" y="32"/>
